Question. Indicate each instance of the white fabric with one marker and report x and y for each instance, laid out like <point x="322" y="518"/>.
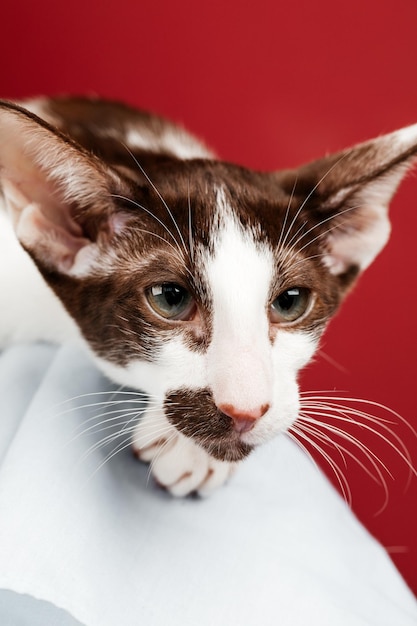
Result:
<point x="276" y="546"/>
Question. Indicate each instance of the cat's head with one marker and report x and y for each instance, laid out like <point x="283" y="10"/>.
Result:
<point x="205" y="284"/>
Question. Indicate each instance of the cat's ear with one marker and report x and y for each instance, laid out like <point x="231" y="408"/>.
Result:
<point x="349" y="193"/>
<point x="58" y="195"/>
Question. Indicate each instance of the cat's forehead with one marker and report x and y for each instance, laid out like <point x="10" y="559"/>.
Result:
<point x="185" y="215"/>
<point x="210" y="231"/>
<point x="201" y="197"/>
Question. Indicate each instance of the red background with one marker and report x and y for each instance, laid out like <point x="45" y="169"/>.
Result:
<point x="269" y="84"/>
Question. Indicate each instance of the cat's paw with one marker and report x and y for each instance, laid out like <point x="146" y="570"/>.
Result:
<point x="177" y="463"/>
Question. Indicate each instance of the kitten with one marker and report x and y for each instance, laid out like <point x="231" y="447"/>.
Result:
<point x="203" y="283"/>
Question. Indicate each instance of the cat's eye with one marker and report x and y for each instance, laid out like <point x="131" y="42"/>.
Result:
<point x="290" y="305"/>
<point x="171" y="301"/>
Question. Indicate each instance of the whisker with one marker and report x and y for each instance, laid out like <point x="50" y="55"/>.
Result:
<point x="140" y="206"/>
<point x="317" y="409"/>
<point x="332" y="361"/>
<point x="401" y="450"/>
<point x="378" y="478"/>
<point x="287" y="212"/>
<point x="339" y="475"/>
<point x="311" y="395"/>
<point x="314" y="428"/>
<point x="326" y="232"/>
<point x="159" y="196"/>
<point x="102" y="443"/>
<point x="97" y="404"/>
<point x="171" y="437"/>
<point x="120" y="447"/>
<point x="284" y="254"/>
<point x="307" y="198"/>
<point x="190" y="230"/>
<point x="110" y="421"/>
<point x="113" y="392"/>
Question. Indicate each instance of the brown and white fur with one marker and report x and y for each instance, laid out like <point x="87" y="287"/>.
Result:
<point x="104" y="206"/>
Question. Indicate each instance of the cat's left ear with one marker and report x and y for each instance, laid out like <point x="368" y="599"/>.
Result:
<point x="58" y="195"/>
<point x="350" y="192"/>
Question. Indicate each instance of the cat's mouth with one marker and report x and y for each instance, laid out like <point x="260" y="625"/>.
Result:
<point x="195" y="414"/>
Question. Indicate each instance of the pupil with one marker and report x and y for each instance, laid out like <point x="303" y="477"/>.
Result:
<point x="173" y="295"/>
<point x="287" y="299"/>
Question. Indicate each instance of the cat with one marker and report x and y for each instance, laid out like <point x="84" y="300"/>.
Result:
<point x="203" y="283"/>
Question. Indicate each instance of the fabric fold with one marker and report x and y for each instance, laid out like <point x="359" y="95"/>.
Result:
<point x="86" y="530"/>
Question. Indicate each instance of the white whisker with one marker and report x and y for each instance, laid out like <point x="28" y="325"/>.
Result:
<point x="287" y="212"/>
<point x="307" y="198"/>
<point x="340" y="477"/>
<point x="317" y="411"/>
<point x="160" y="197"/>
<point x="190" y="228"/>
<point x="140" y="206"/>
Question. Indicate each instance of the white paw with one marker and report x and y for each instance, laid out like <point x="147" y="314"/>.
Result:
<point x="177" y="463"/>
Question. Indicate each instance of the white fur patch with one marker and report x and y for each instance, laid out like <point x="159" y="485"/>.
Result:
<point x="177" y="366"/>
<point x="239" y="277"/>
<point x="244" y="368"/>
<point x="172" y="139"/>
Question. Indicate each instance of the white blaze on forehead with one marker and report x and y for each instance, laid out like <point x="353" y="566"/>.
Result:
<point x="239" y="276"/>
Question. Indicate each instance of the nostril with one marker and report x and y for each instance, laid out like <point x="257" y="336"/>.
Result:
<point x="243" y="421"/>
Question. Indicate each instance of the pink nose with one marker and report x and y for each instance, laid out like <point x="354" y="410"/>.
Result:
<point x="243" y="421"/>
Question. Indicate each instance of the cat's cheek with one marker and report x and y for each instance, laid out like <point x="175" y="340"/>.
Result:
<point x="279" y="418"/>
<point x="291" y="352"/>
<point x="175" y="365"/>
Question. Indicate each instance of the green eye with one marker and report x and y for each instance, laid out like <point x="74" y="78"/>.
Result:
<point x="290" y="305"/>
<point x="171" y="301"/>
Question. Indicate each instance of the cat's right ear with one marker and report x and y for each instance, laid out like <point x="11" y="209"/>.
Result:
<point x="58" y="195"/>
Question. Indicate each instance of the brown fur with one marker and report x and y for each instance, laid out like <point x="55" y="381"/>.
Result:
<point x="195" y="414"/>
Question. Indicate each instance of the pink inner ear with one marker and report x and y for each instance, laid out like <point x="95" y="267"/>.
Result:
<point x="51" y="242"/>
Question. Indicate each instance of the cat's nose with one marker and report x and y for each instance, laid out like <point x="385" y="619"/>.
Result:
<point x="243" y="421"/>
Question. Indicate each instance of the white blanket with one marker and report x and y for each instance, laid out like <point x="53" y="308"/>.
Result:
<point x="99" y="543"/>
